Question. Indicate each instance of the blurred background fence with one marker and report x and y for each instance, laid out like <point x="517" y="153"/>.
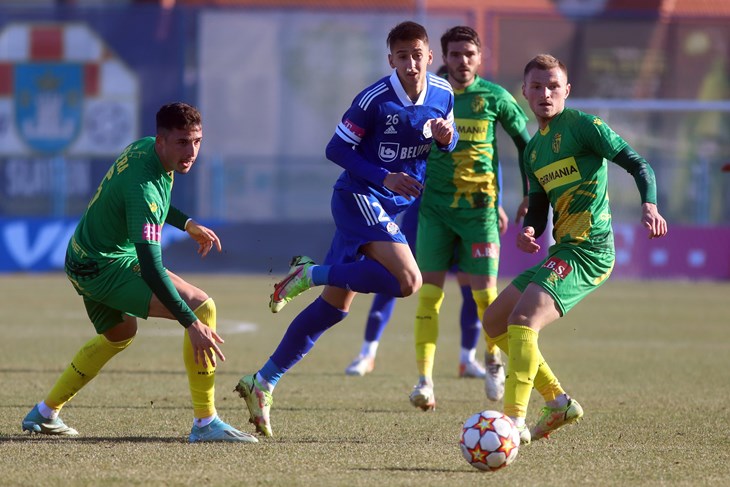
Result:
<point x="81" y="79"/>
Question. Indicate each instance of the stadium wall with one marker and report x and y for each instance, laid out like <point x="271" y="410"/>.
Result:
<point x="688" y="252"/>
<point x="273" y="82"/>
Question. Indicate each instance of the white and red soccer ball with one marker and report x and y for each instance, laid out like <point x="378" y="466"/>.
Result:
<point x="489" y="440"/>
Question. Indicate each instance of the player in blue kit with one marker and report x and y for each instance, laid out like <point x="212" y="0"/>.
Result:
<point x="382" y="142"/>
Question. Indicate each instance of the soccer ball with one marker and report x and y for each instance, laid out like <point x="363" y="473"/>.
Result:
<point x="489" y="440"/>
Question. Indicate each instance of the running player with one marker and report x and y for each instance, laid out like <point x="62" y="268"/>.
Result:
<point x="114" y="261"/>
<point x="382" y="143"/>
<point x="566" y="165"/>
<point x="459" y="208"/>
<point x="382" y="306"/>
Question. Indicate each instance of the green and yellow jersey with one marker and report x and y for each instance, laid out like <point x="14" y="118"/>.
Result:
<point x="466" y="177"/>
<point x="567" y="161"/>
<point x="130" y="206"/>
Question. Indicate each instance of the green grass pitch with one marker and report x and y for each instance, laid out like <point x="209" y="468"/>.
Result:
<point x="649" y="362"/>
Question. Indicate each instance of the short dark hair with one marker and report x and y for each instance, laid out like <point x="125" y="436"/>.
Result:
<point x="458" y="34"/>
<point x="406" y="31"/>
<point x="178" y="115"/>
<point x="545" y="62"/>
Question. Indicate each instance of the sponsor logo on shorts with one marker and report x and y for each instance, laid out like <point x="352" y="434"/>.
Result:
<point x="559" y="267"/>
<point x="483" y="250"/>
<point x="152" y="232"/>
<point x="392" y="228"/>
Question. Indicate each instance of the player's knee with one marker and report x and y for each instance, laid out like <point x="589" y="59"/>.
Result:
<point x="430" y="298"/>
<point x="206" y="313"/>
<point x="120" y="344"/>
<point x="123" y="331"/>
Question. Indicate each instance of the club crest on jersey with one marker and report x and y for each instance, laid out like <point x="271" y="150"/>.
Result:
<point x="388" y="151"/>
<point x="392" y="228"/>
<point x="557" y="139"/>
<point x="427" y="129"/>
<point x="477" y="104"/>
<point x="153" y="206"/>
<point x="559" y="267"/>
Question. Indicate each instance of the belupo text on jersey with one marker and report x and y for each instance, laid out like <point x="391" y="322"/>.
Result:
<point x="390" y="151"/>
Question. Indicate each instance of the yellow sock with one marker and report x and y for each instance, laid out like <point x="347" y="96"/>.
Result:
<point x="524" y="359"/>
<point x="483" y="298"/>
<point x="545" y="381"/>
<point x="85" y="365"/>
<point x="426" y="331"/>
<point x="502" y="341"/>
<point x="201" y="376"/>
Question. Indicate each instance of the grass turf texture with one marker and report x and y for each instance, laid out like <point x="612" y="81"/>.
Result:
<point x="649" y="362"/>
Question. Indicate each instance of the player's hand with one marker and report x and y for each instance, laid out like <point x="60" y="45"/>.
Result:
<point x="503" y="220"/>
<point x="522" y="209"/>
<point x="442" y="131"/>
<point x="403" y="184"/>
<point x="653" y="221"/>
<point x="205" y="237"/>
<point x="526" y="241"/>
<point x="205" y="344"/>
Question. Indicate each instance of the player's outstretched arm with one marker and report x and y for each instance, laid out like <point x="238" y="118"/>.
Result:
<point x="205" y="237"/>
<point x="653" y="221"/>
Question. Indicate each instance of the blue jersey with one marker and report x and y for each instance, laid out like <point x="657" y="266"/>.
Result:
<point x="391" y="134"/>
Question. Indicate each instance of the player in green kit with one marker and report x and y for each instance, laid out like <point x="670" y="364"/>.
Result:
<point x="460" y="209"/>
<point x="114" y="261"/>
<point x="566" y="166"/>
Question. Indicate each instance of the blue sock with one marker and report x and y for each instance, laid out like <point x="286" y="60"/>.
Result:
<point x="271" y="372"/>
<point x="299" y="338"/>
<point x="320" y="274"/>
<point x="380" y="312"/>
<point x="470" y="326"/>
<point x="365" y="276"/>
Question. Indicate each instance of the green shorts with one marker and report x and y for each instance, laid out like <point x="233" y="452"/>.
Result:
<point x="466" y="236"/>
<point x="568" y="274"/>
<point x="110" y="290"/>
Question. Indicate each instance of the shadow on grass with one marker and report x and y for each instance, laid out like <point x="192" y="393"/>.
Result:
<point x="410" y="469"/>
<point x="24" y="438"/>
<point x="112" y="372"/>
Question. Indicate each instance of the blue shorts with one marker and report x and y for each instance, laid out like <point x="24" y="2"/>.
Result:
<point x="409" y="224"/>
<point x="360" y="219"/>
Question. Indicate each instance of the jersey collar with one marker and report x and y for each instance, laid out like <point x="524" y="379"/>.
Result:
<point x="401" y="92"/>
